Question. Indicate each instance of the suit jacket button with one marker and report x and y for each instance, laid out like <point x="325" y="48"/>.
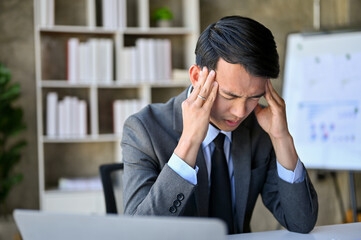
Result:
<point x="173" y="209"/>
<point x="176" y="203"/>
<point x="180" y="196"/>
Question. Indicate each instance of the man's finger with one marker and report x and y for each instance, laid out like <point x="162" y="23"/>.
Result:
<point x="202" y="76"/>
<point x="193" y="96"/>
<point x="274" y="94"/>
<point x="206" y="88"/>
<point x="212" y="96"/>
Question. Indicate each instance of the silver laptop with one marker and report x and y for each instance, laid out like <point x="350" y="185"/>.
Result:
<point x="38" y="225"/>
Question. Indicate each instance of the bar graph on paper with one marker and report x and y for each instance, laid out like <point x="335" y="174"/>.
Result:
<point x="322" y="90"/>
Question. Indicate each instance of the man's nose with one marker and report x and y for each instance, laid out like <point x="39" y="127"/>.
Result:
<point x="239" y="109"/>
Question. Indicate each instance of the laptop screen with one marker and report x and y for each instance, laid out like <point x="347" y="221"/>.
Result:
<point x="38" y="225"/>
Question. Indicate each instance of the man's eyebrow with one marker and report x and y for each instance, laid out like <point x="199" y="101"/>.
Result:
<point x="238" y="96"/>
<point x="258" y="96"/>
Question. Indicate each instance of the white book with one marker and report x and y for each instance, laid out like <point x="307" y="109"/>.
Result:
<point x="134" y="106"/>
<point x="125" y="64"/>
<point x="167" y="59"/>
<point x="158" y="59"/>
<point x="134" y="63"/>
<point x="143" y="13"/>
<point x="122" y="13"/>
<point x="43" y="13"/>
<point x="50" y="13"/>
<point x="61" y="118"/>
<point x="100" y="60"/>
<point x="105" y="60"/>
<point x="90" y="12"/>
<point x="109" y="14"/>
<point x="142" y="104"/>
<point x="93" y="60"/>
<point x="105" y="13"/>
<point x="129" y="65"/>
<point x="73" y="60"/>
<point x="142" y="59"/>
<point x="123" y="115"/>
<point x="74" y="117"/>
<point x="108" y="44"/>
<point x="87" y="63"/>
<point x="51" y="114"/>
<point x="67" y="113"/>
<point x="82" y="120"/>
<point x="152" y="64"/>
<point x="82" y="62"/>
<point x="117" y="120"/>
<point x="127" y="109"/>
<point x="79" y="184"/>
<point x="114" y="14"/>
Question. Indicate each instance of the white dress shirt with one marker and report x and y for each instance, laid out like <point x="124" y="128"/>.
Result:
<point x="190" y="174"/>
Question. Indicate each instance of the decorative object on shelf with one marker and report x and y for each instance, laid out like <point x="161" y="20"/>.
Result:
<point x="11" y="124"/>
<point x="163" y="17"/>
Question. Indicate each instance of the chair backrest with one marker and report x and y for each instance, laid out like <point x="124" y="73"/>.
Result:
<point x="105" y="171"/>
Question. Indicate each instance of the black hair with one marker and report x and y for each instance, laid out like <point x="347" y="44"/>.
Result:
<point x="241" y="40"/>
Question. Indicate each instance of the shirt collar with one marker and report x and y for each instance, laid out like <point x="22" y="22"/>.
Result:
<point x="212" y="133"/>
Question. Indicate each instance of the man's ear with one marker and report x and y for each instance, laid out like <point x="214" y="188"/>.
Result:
<point x="194" y="71"/>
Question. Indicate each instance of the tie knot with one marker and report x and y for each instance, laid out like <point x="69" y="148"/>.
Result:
<point x="219" y="141"/>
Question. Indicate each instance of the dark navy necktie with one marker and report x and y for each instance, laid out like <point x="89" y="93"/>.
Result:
<point x="220" y="200"/>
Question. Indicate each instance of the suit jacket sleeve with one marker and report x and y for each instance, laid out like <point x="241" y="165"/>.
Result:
<point x="150" y="187"/>
<point x="295" y="205"/>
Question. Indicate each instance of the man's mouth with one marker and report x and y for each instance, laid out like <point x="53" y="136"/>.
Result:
<point x="233" y="123"/>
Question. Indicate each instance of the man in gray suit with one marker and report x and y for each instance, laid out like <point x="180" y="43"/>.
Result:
<point x="168" y="148"/>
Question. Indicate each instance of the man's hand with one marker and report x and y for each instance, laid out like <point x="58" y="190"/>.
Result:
<point x="196" y="116"/>
<point x="273" y="120"/>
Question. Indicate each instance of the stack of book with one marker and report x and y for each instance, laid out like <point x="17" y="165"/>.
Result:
<point x="46" y="13"/>
<point x="113" y="13"/>
<point x="91" y="61"/>
<point x="148" y="62"/>
<point x="80" y="184"/>
<point x="122" y="109"/>
<point x="65" y="118"/>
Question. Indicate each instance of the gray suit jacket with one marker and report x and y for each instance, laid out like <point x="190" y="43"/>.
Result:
<point x="151" y="187"/>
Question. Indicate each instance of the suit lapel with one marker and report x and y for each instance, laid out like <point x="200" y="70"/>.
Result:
<point x="241" y="157"/>
<point x="201" y="192"/>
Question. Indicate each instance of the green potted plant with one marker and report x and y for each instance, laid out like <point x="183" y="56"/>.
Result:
<point x="163" y="17"/>
<point x="11" y="124"/>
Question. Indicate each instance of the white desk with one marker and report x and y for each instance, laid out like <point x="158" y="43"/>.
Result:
<point x="351" y="231"/>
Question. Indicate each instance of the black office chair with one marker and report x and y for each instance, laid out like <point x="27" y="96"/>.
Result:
<point x="106" y="171"/>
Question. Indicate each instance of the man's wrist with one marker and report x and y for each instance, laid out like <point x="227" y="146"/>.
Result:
<point x="285" y="151"/>
<point x="183" y="169"/>
<point x="187" y="150"/>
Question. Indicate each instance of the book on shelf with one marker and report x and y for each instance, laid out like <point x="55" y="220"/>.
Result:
<point x="114" y="13"/>
<point x="65" y="118"/>
<point x="122" y="109"/>
<point x="80" y="184"/>
<point x="46" y="13"/>
<point x="91" y="13"/>
<point x="51" y="109"/>
<point x="148" y="62"/>
<point x="90" y="61"/>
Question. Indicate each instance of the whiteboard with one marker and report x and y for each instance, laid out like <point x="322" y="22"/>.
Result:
<point x="322" y="90"/>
